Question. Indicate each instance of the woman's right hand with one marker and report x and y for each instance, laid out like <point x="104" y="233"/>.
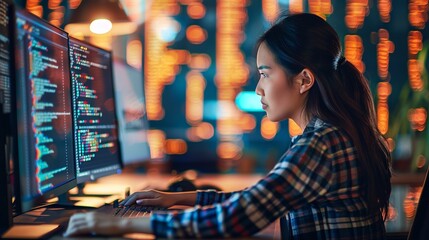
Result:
<point x="151" y="198"/>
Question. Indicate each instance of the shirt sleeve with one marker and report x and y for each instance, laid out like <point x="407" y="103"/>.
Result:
<point x="209" y="197"/>
<point x="302" y="176"/>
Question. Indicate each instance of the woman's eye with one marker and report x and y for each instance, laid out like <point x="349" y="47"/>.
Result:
<point x="264" y="75"/>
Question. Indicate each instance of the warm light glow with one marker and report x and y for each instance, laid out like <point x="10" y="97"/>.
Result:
<point x="157" y="72"/>
<point x="100" y="26"/>
<point x="228" y="150"/>
<point x="204" y="130"/>
<point x="356" y="11"/>
<point x="268" y="129"/>
<point x="383" y="117"/>
<point x="353" y="51"/>
<point x="415" y="42"/>
<point x="296" y="6"/>
<point x="156" y="140"/>
<point x="418" y="13"/>
<point x="196" y="10"/>
<point x="134" y="53"/>
<point x="36" y="10"/>
<point x="270" y="8"/>
<point x="195" y="85"/>
<point x="175" y="146"/>
<point x="414" y="75"/>
<point x="200" y="61"/>
<point x="320" y="7"/>
<point x="410" y="202"/>
<point x="196" y="34"/>
<point x="384" y="89"/>
<point x="384" y="48"/>
<point x="247" y="122"/>
<point x="294" y="129"/>
<point x="384" y="8"/>
<point x="73" y="4"/>
<point x="417" y="118"/>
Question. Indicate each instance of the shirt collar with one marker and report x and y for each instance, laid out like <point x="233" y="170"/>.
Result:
<point x="311" y="126"/>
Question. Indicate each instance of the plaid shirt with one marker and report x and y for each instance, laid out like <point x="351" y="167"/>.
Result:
<point x="314" y="186"/>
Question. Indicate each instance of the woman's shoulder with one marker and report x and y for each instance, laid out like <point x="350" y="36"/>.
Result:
<point x="323" y="132"/>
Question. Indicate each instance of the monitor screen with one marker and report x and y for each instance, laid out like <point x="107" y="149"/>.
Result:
<point x="43" y="110"/>
<point x="94" y="116"/>
<point x="131" y="108"/>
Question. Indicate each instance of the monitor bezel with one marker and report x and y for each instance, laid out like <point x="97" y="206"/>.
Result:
<point x="22" y="206"/>
<point x="82" y="180"/>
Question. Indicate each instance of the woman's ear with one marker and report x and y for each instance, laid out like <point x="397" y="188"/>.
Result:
<point x="306" y="78"/>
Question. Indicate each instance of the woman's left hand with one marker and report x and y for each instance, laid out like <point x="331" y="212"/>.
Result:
<point x="101" y="224"/>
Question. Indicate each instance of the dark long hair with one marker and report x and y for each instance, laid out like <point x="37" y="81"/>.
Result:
<point x="340" y="95"/>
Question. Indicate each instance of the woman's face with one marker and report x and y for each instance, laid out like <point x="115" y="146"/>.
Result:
<point x="279" y="98"/>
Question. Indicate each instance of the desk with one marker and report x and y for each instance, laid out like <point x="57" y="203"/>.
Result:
<point x="116" y="184"/>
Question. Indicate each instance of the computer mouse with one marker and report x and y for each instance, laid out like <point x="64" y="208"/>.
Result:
<point x="181" y="185"/>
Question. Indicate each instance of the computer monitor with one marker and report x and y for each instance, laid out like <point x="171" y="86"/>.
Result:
<point x="44" y="157"/>
<point x="94" y="116"/>
<point x="131" y="108"/>
<point x="5" y="113"/>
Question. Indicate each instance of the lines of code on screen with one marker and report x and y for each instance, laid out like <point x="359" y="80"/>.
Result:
<point x="94" y="117"/>
<point x="43" y="106"/>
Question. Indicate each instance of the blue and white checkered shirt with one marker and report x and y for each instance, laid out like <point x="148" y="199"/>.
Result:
<point x="315" y="187"/>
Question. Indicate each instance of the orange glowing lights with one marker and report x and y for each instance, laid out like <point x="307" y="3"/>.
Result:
<point x="247" y="122"/>
<point x="196" y="10"/>
<point x="320" y="7"/>
<point x="384" y="8"/>
<point x="175" y="146"/>
<point x="73" y="4"/>
<point x="296" y="6"/>
<point x="353" y="51"/>
<point x="356" y="11"/>
<point x="134" y="53"/>
<point x="196" y="34"/>
<point x="229" y="150"/>
<point x="200" y="61"/>
<point x="417" y="118"/>
<point x="415" y="42"/>
<point x="414" y="75"/>
<point x="383" y="117"/>
<point x="268" y="129"/>
<point x="410" y="202"/>
<point x="195" y="85"/>
<point x="156" y="140"/>
<point x="384" y="48"/>
<point x="418" y="13"/>
<point x="270" y="8"/>
<point x="384" y="89"/>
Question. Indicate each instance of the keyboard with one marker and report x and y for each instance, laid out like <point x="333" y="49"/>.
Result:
<point x="134" y="211"/>
<point x="131" y="211"/>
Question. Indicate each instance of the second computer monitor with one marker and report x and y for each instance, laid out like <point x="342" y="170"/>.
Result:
<point x="97" y="149"/>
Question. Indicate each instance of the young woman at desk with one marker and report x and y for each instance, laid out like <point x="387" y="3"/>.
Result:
<point x="332" y="183"/>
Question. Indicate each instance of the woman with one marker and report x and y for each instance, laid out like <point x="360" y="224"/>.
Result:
<point x="334" y="180"/>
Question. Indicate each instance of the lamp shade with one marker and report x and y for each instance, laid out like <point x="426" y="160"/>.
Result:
<point x="98" y="17"/>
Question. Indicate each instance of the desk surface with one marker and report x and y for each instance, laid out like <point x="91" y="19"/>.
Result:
<point x="117" y="184"/>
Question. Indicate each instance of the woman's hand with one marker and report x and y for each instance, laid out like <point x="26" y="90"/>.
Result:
<point x="150" y="198"/>
<point x="102" y="224"/>
<point x="160" y="199"/>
